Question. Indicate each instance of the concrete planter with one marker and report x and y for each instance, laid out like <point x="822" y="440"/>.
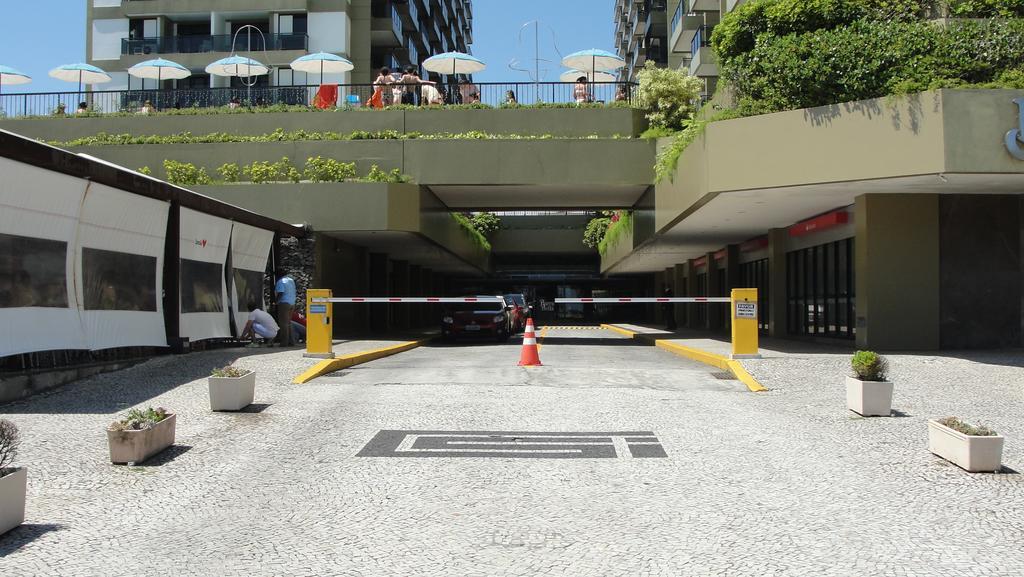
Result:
<point x="972" y="453"/>
<point x="232" y="393"/>
<point x="869" y="398"/>
<point x="12" y="499"/>
<point x="137" y="446"/>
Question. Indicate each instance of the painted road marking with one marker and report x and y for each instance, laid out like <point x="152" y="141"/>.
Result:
<point x="515" y="444"/>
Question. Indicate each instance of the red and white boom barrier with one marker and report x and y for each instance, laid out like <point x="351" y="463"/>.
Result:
<point x="376" y="300"/>
<point x="642" y="300"/>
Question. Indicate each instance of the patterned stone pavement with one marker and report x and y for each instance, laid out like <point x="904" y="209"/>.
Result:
<point x="781" y="483"/>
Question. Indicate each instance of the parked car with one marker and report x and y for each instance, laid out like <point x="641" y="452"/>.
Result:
<point x="522" y="310"/>
<point x="485" y="318"/>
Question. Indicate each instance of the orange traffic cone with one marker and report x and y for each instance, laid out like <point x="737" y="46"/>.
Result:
<point x="530" y="356"/>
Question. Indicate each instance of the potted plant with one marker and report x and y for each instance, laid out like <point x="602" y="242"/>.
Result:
<point x="231" y="388"/>
<point x="12" y="479"/>
<point x="975" y="449"/>
<point x="140" y="435"/>
<point x="867" y="391"/>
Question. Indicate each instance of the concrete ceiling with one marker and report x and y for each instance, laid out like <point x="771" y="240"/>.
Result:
<point x="737" y="216"/>
<point x="526" y="196"/>
<point x="416" y="249"/>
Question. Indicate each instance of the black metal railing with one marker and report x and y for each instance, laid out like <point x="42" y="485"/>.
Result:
<point x="201" y="43"/>
<point x="349" y="95"/>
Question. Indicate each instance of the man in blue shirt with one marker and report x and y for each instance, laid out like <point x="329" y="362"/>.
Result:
<point x="284" y="291"/>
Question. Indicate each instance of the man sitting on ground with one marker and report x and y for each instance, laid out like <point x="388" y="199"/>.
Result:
<point x="260" y="324"/>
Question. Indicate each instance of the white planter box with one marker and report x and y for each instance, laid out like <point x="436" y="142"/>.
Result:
<point x="975" y="454"/>
<point x="137" y="446"/>
<point x="12" y="499"/>
<point x="232" y="393"/>
<point x="869" y="398"/>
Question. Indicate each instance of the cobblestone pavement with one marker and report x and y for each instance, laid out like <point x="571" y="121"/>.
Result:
<point x="781" y="483"/>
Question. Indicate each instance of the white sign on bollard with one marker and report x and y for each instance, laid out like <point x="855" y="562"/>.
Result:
<point x="746" y="310"/>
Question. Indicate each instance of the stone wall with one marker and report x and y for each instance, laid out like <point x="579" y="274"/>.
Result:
<point x="298" y="258"/>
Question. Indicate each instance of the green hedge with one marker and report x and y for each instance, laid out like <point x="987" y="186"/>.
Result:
<point x="872" y="58"/>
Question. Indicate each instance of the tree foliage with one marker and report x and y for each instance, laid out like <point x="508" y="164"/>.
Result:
<point x="486" y="223"/>
<point x="785" y="54"/>
<point x="667" y="96"/>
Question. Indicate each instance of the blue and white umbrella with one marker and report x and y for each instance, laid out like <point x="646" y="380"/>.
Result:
<point x="454" y="63"/>
<point x="322" y="62"/>
<point x="9" y="75"/>
<point x="593" y="61"/>
<point x="599" y="76"/>
<point x="237" y="66"/>
<point x="159" y="69"/>
<point x="81" y="73"/>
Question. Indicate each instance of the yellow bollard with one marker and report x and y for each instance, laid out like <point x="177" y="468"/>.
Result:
<point x="744" y="324"/>
<point x="319" y="331"/>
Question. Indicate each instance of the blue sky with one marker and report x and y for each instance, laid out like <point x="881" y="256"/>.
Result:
<point x="34" y="38"/>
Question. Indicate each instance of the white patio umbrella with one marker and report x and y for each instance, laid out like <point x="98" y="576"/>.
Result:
<point x="454" y="63"/>
<point x="241" y="67"/>
<point x="10" y="76"/>
<point x="81" y="73"/>
<point x="159" y="70"/>
<point x="593" y="61"/>
<point x="322" y="62"/>
<point x="599" y="76"/>
<point x="237" y="66"/>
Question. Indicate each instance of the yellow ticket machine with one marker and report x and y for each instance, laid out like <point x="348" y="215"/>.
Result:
<point x="744" y="324"/>
<point x="319" y="331"/>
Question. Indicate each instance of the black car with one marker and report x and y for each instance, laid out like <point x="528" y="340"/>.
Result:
<point x="485" y="318"/>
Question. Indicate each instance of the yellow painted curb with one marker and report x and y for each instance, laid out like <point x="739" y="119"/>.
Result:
<point x="621" y="331"/>
<point x="540" y="341"/>
<point x="740" y="373"/>
<point x="717" y="361"/>
<point x="344" y="362"/>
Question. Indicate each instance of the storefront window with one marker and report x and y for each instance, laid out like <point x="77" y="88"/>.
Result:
<point x="201" y="284"/>
<point x="820" y="290"/>
<point x="32" y="272"/>
<point x="118" y="281"/>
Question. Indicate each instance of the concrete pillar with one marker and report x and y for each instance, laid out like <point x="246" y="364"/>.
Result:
<point x="679" y="290"/>
<point x="378" y="287"/>
<point x="400" y="313"/>
<point x="777" y="241"/>
<point x="896" y="255"/>
<point x="714" y="317"/>
<point x="659" y="289"/>
<point x="692" y="289"/>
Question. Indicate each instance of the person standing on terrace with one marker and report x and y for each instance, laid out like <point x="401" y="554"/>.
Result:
<point x="581" y="92"/>
<point x="381" y="92"/>
<point x="412" y="84"/>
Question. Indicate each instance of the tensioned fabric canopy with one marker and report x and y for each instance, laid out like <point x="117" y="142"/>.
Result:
<point x="237" y="66"/>
<point x="593" y="60"/>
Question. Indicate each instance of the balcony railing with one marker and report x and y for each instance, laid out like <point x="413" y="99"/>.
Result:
<point x="701" y="39"/>
<point x="131" y="101"/>
<point x="677" y="18"/>
<point x="208" y="43"/>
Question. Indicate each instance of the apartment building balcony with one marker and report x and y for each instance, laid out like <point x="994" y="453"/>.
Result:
<point x="685" y="23"/>
<point x="205" y="43"/>
<point x="133" y="8"/>
<point x="386" y="26"/>
<point x="704" y="62"/>
<point x="409" y="11"/>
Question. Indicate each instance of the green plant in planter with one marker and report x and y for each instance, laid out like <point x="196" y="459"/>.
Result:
<point x="966" y="428"/>
<point x="145" y="170"/>
<point x="319" y="169"/>
<point x="139" y="420"/>
<point x="260" y="172"/>
<point x="185" y="173"/>
<point x="10" y="440"/>
<point x="869" y="366"/>
<point x="229" y="172"/>
<point x="229" y="372"/>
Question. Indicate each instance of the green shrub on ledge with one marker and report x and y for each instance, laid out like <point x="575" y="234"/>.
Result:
<point x="321" y="169"/>
<point x="621" y="224"/>
<point x="474" y="235"/>
<point x="229" y="172"/>
<point x="185" y="173"/>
